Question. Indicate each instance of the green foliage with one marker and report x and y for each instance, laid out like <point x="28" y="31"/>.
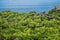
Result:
<point x="29" y="26"/>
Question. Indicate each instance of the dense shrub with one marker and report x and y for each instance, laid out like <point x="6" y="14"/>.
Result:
<point x="29" y="26"/>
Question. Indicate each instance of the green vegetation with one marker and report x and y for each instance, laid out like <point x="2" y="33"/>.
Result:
<point x="29" y="26"/>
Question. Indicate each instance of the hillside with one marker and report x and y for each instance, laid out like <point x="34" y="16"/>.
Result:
<point x="30" y="26"/>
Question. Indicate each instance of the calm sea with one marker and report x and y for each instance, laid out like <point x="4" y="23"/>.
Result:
<point x="28" y="8"/>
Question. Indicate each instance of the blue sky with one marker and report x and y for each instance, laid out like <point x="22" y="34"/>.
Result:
<point x="7" y="3"/>
<point x="27" y="2"/>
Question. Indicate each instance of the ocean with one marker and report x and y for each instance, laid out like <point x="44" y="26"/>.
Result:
<point x="28" y="8"/>
<point x="28" y="5"/>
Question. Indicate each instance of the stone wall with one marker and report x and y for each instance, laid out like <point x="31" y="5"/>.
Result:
<point x="57" y="7"/>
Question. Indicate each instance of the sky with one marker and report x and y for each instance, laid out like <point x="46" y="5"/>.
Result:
<point x="27" y="2"/>
<point x="13" y="3"/>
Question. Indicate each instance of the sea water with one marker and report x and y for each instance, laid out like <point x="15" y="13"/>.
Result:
<point x="28" y="8"/>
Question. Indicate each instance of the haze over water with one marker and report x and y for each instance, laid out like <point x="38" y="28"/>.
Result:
<point x="28" y="5"/>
